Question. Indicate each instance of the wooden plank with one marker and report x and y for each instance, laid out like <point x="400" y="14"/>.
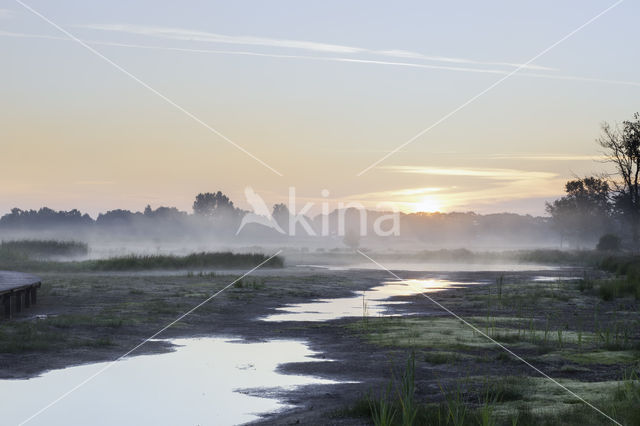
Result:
<point x="10" y="281"/>
<point x="17" y="289"/>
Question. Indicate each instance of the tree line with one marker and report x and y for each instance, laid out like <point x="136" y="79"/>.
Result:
<point x="214" y="215"/>
<point x="213" y="205"/>
<point x="605" y="207"/>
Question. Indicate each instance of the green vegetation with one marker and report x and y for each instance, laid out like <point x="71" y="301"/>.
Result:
<point x="628" y="266"/>
<point x="609" y="242"/>
<point x="588" y="258"/>
<point x="195" y="260"/>
<point x="42" y="248"/>
<point x="93" y="309"/>
<point x="626" y="281"/>
<point x="560" y="257"/>
<point x="381" y="409"/>
<point x="201" y="274"/>
<point x="510" y="400"/>
<point x="204" y="260"/>
<point x="50" y="334"/>
<point x="564" y="327"/>
<point x="420" y="332"/>
<point x="250" y="283"/>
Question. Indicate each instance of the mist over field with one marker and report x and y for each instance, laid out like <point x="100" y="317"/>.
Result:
<point x="169" y="230"/>
<point x="338" y="213"/>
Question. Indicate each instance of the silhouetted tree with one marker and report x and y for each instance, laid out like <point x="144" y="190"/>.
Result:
<point x="584" y="211"/>
<point x="212" y="204"/>
<point x="281" y="215"/>
<point x="608" y="242"/>
<point x="170" y="213"/>
<point x="44" y="218"/>
<point x="116" y="217"/>
<point x="622" y="148"/>
<point x="352" y="238"/>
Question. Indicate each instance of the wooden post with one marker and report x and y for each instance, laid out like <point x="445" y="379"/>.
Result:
<point x="6" y="301"/>
<point x="27" y="297"/>
<point x="34" y="290"/>
<point x="18" y="300"/>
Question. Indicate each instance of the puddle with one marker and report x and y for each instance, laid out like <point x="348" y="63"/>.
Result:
<point x="200" y="383"/>
<point x="548" y="279"/>
<point x="373" y="302"/>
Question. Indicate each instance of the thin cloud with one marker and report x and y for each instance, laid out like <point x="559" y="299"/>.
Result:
<point x="548" y="157"/>
<point x="497" y="174"/>
<point x="37" y="36"/>
<point x="259" y="54"/>
<point x="414" y="55"/>
<point x="208" y="37"/>
<point x="476" y="186"/>
<point x="202" y="36"/>
<point x="391" y="194"/>
<point x="472" y="193"/>
<point x="507" y="191"/>
<point x="325" y="58"/>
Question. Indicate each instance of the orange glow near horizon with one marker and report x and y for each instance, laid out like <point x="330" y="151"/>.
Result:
<point x="429" y="204"/>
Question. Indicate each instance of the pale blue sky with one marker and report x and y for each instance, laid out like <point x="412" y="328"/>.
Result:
<point x="78" y="133"/>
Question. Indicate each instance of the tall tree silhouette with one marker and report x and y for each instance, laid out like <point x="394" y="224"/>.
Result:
<point x="622" y="149"/>
<point x="213" y="204"/>
<point x="584" y="212"/>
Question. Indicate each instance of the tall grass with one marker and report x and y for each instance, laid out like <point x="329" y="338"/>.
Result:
<point x="194" y="260"/>
<point x="382" y="411"/>
<point x="43" y="248"/>
<point x="488" y="402"/>
<point x="457" y="411"/>
<point x="566" y="257"/>
<point x="200" y="261"/>
<point x="406" y="391"/>
<point x="626" y="281"/>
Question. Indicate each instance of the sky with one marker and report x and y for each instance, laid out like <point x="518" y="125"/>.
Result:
<point x="117" y="104"/>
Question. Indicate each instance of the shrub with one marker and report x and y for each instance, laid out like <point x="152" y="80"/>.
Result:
<point x="609" y="242"/>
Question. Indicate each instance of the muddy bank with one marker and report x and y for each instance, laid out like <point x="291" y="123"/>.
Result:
<point x="92" y="317"/>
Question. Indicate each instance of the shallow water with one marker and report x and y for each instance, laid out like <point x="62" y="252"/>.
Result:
<point x="197" y="384"/>
<point x="373" y="302"/>
<point x="437" y="267"/>
<point x="544" y="278"/>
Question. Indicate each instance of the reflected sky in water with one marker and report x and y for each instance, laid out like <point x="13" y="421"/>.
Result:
<point x="195" y="385"/>
<point x="438" y="267"/>
<point x="373" y="302"/>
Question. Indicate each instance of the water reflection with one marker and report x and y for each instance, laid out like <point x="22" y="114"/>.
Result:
<point x="437" y="267"/>
<point x="373" y="302"/>
<point x="195" y="385"/>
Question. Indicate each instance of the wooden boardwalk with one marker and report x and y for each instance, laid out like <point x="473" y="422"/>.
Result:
<point x="17" y="290"/>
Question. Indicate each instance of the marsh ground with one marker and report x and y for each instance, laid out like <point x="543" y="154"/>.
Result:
<point x="563" y="327"/>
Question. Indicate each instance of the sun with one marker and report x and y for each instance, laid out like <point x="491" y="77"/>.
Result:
<point x="428" y="205"/>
